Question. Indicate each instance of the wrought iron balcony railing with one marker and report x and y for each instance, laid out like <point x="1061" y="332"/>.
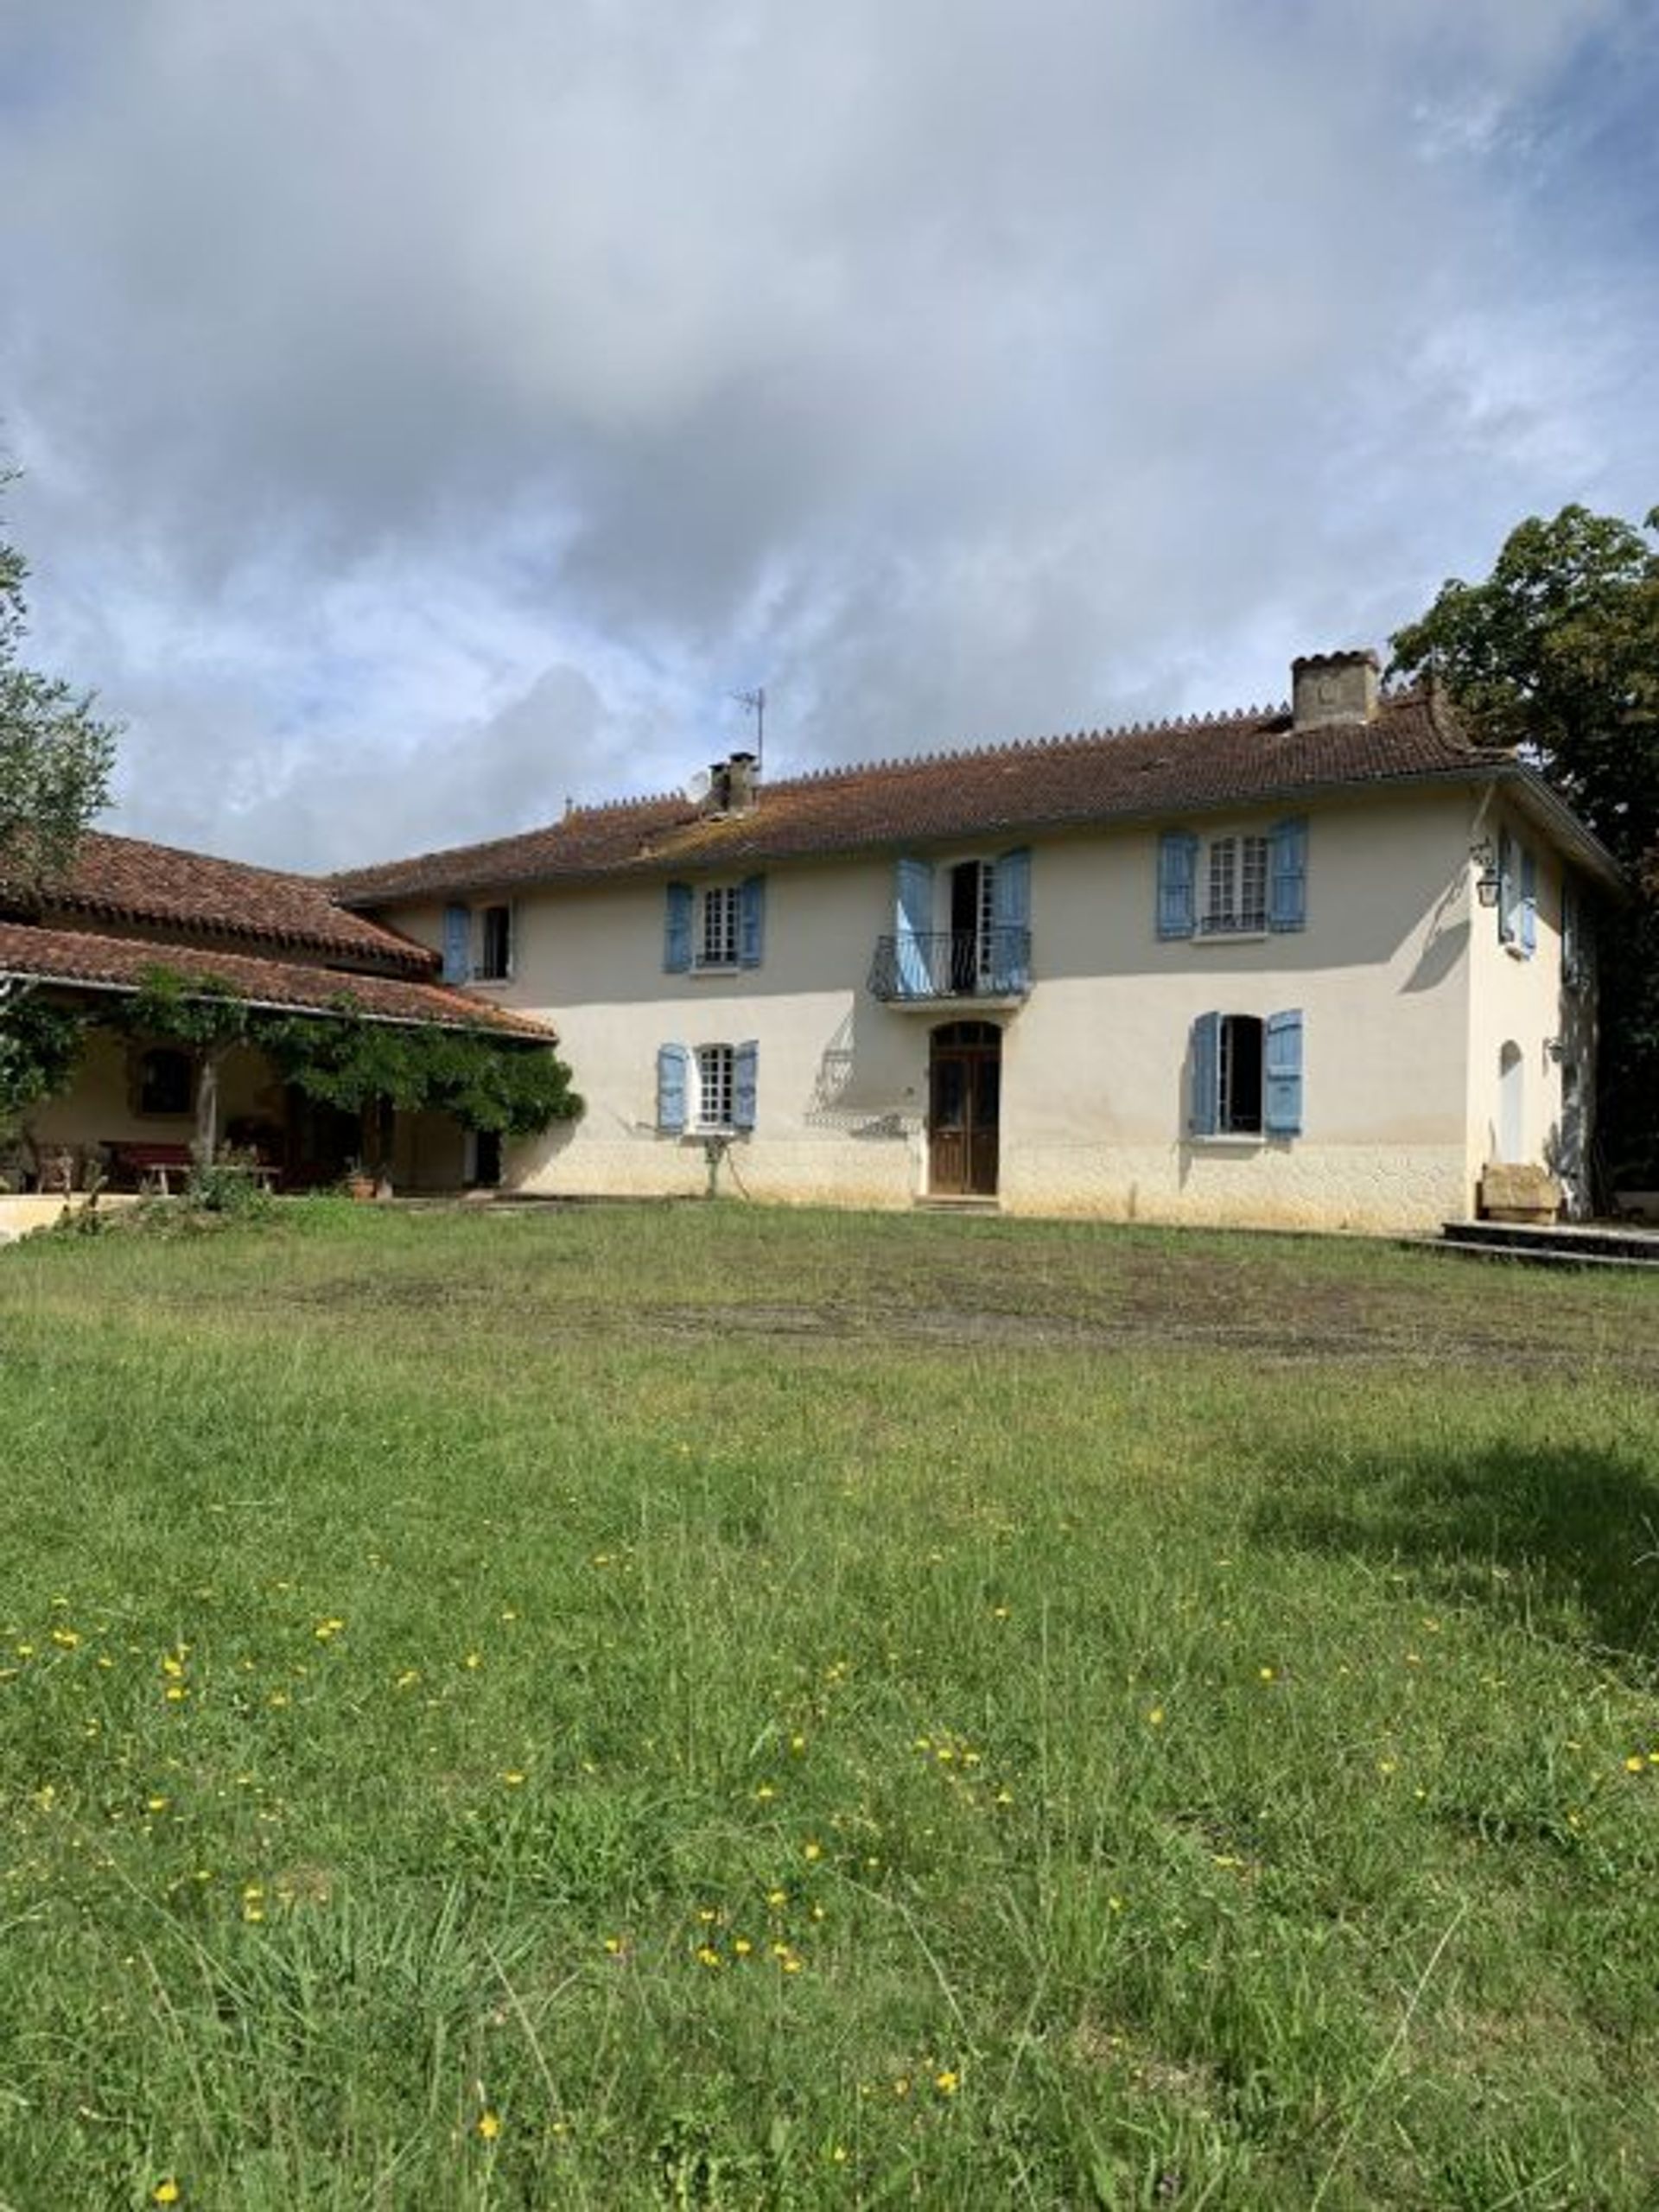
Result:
<point x="925" y="965"/>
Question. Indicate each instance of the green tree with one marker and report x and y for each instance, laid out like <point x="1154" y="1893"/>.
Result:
<point x="56" y="756"/>
<point x="1557" y="653"/>
<point x="40" y="1044"/>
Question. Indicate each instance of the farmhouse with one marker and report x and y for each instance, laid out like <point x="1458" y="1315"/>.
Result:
<point x="279" y="943"/>
<point x="1321" y="965"/>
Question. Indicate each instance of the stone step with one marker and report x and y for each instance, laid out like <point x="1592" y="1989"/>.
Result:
<point x="1560" y="1245"/>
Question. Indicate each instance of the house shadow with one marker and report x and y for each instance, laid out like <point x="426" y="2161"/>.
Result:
<point x="1562" y="1539"/>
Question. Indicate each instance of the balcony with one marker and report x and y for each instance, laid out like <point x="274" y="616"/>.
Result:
<point x="936" y="967"/>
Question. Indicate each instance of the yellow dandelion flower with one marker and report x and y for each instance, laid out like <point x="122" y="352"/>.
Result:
<point x="777" y="1897"/>
<point x="1155" y="1718"/>
<point x="1635" y="1764"/>
<point x="489" y="2125"/>
<point x="613" y="1945"/>
<point x="742" y="1946"/>
<point x="155" y="1804"/>
<point x="707" y="1956"/>
<point x="791" y="1964"/>
<point x="474" y="1660"/>
<point x="66" y="1638"/>
<point x="1266" y="1674"/>
<point x="177" y="1693"/>
<point x="811" y="1851"/>
<point x="170" y="1665"/>
<point x="947" y="2080"/>
<point x="513" y="1776"/>
<point x="764" y="1794"/>
<point x="165" y="2192"/>
<point x="798" y="1743"/>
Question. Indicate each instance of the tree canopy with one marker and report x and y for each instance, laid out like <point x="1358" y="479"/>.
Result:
<point x="56" y="756"/>
<point x="1557" y="653"/>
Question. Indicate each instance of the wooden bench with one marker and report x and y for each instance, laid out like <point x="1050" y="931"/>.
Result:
<point x="151" y="1164"/>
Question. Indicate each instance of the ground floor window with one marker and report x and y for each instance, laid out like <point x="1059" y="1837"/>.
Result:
<point x="717" y="1086"/>
<point x="165" y="1083"/>
<point x="1245" y="1075"/>
<point x="707" y="1088"/>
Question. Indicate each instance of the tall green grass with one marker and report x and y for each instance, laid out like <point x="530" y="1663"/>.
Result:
<point x="705" y="1708"/>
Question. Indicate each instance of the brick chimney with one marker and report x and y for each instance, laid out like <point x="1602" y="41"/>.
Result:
<point x="740" y="780"/>
<point x="1334" y="688"/>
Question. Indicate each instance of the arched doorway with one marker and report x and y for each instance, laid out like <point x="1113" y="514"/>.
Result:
<point x="964" y="1092"/>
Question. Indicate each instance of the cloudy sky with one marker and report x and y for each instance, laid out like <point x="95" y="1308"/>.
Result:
<point x="430" y="413"/>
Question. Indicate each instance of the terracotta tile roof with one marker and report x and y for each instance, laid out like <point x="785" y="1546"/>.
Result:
<point x="1250" y="757"/>
<point x="126" y="879"/>
<point x="76" y="957"/>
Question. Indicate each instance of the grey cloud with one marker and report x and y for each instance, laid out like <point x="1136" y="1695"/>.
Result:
<point x="953" y="375"/>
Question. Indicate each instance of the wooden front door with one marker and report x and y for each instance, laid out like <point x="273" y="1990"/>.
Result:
<point x="965" y="1104"/>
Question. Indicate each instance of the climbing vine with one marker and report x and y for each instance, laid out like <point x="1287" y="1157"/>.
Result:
<point x="40" y="1045"/>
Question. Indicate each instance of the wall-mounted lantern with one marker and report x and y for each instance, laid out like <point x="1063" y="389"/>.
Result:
<point x="1486" y="882"/>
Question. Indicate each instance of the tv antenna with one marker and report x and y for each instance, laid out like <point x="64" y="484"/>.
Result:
<point x="755" y="702"/>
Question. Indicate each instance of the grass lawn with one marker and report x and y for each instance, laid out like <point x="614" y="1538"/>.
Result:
<point x="713" y="1707"/>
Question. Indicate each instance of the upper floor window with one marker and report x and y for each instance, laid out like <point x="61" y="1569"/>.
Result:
<point x="717" y="937"/>
<point x="493" y="961"/>
<point x="477" y="943"/>
<point x="1517" y="896"/>
<point x="1237" y="885"/>
<point x="715" y="926"/>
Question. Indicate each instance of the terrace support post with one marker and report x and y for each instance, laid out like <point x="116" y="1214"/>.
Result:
<point x="380" y="1134"/>
<point x="206" y="1141"/>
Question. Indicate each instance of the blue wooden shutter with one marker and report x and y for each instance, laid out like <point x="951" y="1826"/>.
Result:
<point x="1528" y="903"/>
<point x="1281" y="1076"/>
<point x="457" y="944"/>
<point x="745" y="1075"/>
<point x="1178" y="876"/>
<point x="1505" y="889"/>
<point x="672" y="1064"/>
<point x="1011" y="922"/>
<point x="1288" y="907"/>
<point x="1206" y="1076"/>
<point x="676" y="929"/>
<point x="913" y="923"/>
<point x="752" y="920"/>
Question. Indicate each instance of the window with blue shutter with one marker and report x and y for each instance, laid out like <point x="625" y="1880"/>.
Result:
<point x="1507" y="899"/>
<point x="745" y="1069"/>
<point x="1010" y="948"/>
<point x="1529" y="902"/>
<point x="913" y="923"/>
<point x="1282" y="1085"/>
<point x="672" y="1064"/>
<point x="1178" y="875"/>
<point x="1287" y="890"/>
<point x="1206" y="1076"/>
<point x="676" y="929"/>
<point x="751" y="921"/>
<point x="457" y="945"/>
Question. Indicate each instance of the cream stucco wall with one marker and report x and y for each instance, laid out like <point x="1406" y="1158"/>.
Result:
<point x="1096" y="1062"/>
<point x="1522" y="1002"/>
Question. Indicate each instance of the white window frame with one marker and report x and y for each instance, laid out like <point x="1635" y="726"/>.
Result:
<point x="717" y="927"/>
<point x="713" y="1069"/>
<point x="1228" y="866"/>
